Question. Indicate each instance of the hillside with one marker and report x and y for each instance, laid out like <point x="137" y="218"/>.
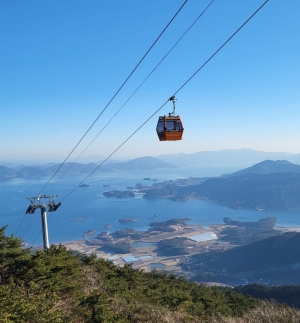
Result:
<point x="240" y="233"/>
<point x="252" y="191"/>
<point x="59" y="286"/>
<point x="275" y="260"/>
<point x="6" y="172"/>
<point x="286" y="294"/>
<point x="266" y="185"/>
<point x="269" y="167"/>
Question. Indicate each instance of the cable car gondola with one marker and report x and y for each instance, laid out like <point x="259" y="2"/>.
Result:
<point x="169" y="127"/>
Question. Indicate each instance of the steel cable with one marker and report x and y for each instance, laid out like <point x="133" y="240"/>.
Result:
<point x="132" y="94"/>
<point x="114" y="96"/>
<point x="179" y="89"/>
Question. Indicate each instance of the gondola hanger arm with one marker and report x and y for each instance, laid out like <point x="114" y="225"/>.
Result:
<point x="173" y="99"/>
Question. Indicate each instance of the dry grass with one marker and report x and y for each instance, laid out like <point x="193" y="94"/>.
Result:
<point x="267" y="313"/>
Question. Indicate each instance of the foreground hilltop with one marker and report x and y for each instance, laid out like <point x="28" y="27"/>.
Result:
<point x="58" y="286"/>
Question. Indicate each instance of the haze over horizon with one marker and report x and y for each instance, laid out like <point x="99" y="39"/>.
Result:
<point x="63" y="61"/>
<point x="232" y="157"/>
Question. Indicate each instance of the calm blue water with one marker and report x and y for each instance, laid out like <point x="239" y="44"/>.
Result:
<point x="95" y="210"/>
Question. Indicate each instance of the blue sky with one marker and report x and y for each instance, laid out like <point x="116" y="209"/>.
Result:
<point x="62" y="61"/>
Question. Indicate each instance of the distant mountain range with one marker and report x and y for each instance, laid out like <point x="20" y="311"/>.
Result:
<point x="142" y="163"/>
<point x="239" y="158"/>
<point x="228" y="157"/>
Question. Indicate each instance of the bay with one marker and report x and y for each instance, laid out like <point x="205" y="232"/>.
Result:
<point x="87" y="209"/>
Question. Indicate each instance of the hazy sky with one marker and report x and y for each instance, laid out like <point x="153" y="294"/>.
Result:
<point x="62" y="61"/>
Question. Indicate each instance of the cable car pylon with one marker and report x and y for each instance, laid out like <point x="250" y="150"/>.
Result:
<point x="43" y="202"/>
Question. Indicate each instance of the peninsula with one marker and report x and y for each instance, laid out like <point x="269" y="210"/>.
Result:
<point x="272" y="185"/>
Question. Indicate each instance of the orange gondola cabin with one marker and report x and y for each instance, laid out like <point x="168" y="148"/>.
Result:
<point x="169" y="127"/>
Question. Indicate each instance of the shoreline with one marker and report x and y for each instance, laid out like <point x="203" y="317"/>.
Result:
<point x="144" y="257"/>
<point x="287" y="229"/>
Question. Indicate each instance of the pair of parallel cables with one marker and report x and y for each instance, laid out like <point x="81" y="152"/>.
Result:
<point x="147" y="52"/>
<point x="180" y="88"/>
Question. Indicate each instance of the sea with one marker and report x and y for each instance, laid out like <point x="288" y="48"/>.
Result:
<point x="86" y="209"/>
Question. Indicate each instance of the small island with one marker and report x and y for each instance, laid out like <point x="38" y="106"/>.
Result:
<point x="83" y="185"/>
<point x="119" y="194"/>
<point x="127" y="220"/>
<point x="89" y="232"/>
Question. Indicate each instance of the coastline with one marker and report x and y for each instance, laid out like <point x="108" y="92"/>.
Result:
<point x="287" y="229"/>
<point x="144" y="257"/>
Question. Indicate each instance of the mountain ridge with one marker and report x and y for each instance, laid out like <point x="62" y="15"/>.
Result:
<point x="268" y="167"/>
<point x="244" y="157"/>
<point x="260" y="190"/>
<point x="141" y="163"/>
